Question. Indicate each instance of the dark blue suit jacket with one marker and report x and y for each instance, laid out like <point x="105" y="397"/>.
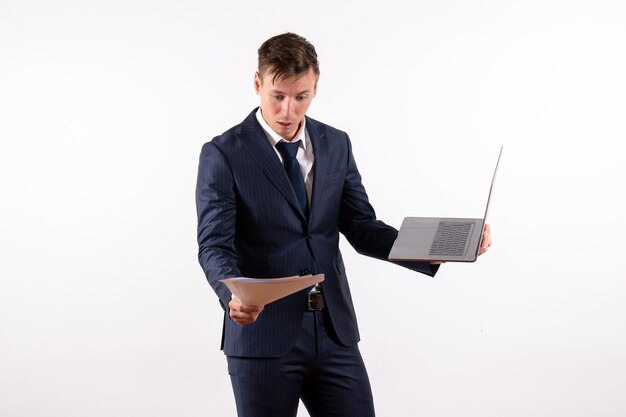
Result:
<point x="250" y="224"/>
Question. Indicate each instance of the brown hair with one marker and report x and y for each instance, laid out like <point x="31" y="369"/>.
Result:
<point x="287" y="55"/>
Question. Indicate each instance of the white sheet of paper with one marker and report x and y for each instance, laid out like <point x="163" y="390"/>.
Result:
<point x="262" y="291"/>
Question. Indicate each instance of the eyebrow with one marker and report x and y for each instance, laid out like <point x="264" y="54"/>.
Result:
<point x="297" y="94"/>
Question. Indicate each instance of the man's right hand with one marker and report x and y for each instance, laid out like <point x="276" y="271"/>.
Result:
<point x="242" y="313"/>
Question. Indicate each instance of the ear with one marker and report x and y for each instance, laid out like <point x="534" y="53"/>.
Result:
<point x="257" y="82"/>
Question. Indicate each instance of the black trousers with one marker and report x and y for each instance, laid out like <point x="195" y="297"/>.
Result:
<point x="330" y="379"/>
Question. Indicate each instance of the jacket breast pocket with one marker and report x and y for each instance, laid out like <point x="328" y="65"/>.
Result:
<point x="334" y="177"/>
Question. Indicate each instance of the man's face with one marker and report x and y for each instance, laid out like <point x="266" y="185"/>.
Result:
<point x="284" y="102"/>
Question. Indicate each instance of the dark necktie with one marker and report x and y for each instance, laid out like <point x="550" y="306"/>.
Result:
<point x="288" y="151"/>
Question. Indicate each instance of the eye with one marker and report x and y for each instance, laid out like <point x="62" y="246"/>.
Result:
<point x="279" y="97"/>
<point x="301" y="98"/>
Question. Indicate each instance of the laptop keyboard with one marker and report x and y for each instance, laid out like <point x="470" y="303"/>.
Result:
<point x="450" y="238"/>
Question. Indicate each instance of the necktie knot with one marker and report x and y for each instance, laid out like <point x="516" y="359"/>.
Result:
<point x="288" y="149"/>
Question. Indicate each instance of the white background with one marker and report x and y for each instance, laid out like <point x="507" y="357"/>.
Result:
<point x="104" y="106"/>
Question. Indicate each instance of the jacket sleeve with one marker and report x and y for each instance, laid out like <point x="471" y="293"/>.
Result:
<point x="217" y="211"/>
<point x="358" y="223"/>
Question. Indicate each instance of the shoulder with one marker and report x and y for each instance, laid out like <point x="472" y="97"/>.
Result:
<point x="227" y="139"/>
<point x="323" y="130"/>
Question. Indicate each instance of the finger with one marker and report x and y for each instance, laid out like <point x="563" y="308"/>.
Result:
<point x="245" y="308"/>
<point x="484" y="246"/>
<point x="236" y="305"/>
<point x="486" y="236"/>
<point x="239" y="318"/>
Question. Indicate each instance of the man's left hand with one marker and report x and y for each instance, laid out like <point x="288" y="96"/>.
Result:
<point x="486" y="240"/>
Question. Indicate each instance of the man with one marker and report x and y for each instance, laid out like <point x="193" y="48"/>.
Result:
<point x="273" y="194"/>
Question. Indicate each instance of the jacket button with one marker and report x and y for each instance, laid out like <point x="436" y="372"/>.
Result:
<point x="304" y="272"/>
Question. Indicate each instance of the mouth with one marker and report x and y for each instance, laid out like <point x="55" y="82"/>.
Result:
<point x="285" y="125"/>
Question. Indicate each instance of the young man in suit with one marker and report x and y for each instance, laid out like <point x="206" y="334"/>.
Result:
<point x="273" y="194"/>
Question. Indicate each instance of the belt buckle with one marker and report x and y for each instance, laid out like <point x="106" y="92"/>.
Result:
<point x="315" y="301"/>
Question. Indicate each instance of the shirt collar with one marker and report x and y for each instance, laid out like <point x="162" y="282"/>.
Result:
<point x="274" y="137"/>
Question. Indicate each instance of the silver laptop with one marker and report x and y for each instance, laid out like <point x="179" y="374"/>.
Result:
<point x="441" y="239"/>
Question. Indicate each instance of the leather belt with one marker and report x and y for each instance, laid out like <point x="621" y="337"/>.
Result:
<point x="315" y="299"/>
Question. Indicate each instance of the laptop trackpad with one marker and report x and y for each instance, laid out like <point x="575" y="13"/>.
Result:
<point x="417" y="237"/>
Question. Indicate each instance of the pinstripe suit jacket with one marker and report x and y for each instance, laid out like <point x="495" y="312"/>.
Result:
<point x="250" y="224"/>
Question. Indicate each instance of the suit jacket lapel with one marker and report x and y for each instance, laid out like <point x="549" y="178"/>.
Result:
<point x="253" y="138"/>
<point x="320" y="167"/>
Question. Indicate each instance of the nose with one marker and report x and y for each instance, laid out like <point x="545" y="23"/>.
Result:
<point x="285" y="107"/>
